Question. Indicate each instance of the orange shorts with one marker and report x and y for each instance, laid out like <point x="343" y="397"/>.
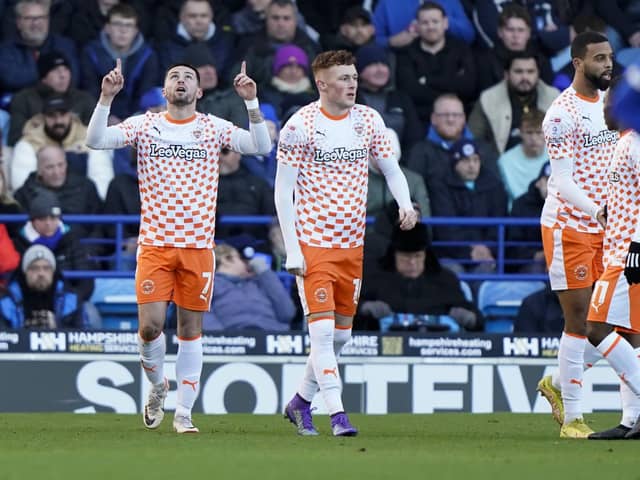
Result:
<point x="615" y="302"/>
<point x="574" y="259"/>
<point x="184" y="275"/>
<point x="332" y="280"/>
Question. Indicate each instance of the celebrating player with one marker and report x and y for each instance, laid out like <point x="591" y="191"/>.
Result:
<point x="580" y="148"/>
<point x="178" y="176"/>
<point x="323" y="158"/>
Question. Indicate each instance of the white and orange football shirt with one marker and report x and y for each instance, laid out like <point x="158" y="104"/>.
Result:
<point x="178" y="176"/>
<point x="574" y="128"/>
<point x="623" y="200"/>
<point x="332" y="158"/>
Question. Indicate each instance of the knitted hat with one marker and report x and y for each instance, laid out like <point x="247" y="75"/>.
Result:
<point x="462" y="148"/>
<point x="368" y="54"/>
<point x="414" y="240"/>
<point x="152" y="98"/>
<point x="49" y="61"/>
<point x="37" y="252"/>
<point x="287" y="55"/>
<point x="45" y="204"/>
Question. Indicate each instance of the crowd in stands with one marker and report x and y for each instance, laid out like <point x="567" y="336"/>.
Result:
<point x="463" y="86"/>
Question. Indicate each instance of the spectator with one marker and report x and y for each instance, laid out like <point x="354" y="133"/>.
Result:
<point x="55" y="80"/>
<point x="89" y="20"/>
<point x="216" y="100"/>
<point x="241" y="193"/>
<point x="530" y="258"/>
<point x="469" y="190"/>
<point x="514" y="32"/>
<point x="18" y="56"/>
<point x="396" y="27"/>
<point x="196" y="25"/>
<point x="280" y="29"/>
<point x="57" y="126"/>
<point x="519" y="164"/>
<point x="247" y="295"/>
<point x="250" y="19"/>
<point x="76" y="193"/>
<point x="540" y="313"/>
<point x="264" y="166"/>
<point x="548" y="28"/>
<point x="421" y="287"/>
<point x="45" y="227"/>
<point x="8" y="205"/>
<point x="497" y="115"/>
<point x="378" y="193"/>
<point x="38" y="298"/>
<point x="355" y="31"/>
<point x="430" y="157"/>
<point x="324" y="17"/>
<point x="120" y="38"/>
<point x="435" y="63"/>
<point x="290" y="85"/>
<point x="376" y="89"/>
<point x="9" y="259"/>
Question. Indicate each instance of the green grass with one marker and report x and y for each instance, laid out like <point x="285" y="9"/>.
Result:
<point x="440" y="446"/>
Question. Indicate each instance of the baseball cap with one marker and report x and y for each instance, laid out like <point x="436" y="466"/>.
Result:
<point x="56" y="103"/>
<point x="356" y="13"/>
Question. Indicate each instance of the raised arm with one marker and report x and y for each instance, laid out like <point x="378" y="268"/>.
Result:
<point x="99" y="135"/>
<point x="256" y="140"/>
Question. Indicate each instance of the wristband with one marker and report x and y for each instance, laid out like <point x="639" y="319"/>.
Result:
<point x="252" y="104"/>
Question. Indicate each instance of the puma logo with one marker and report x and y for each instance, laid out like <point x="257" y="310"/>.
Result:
<point x="332" y="371"/>
<point x="575" y="381"/>
<point x="623" y="377"/>
<point x="156" y="129"/>
<point x="152" y="368"/>
<point x="191" y="384"/>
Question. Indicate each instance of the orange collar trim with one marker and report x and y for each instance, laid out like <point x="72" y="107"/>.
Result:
<point x="170" y="119"/>
<point x="588" y="99"/>
<point x="333" y="117"/>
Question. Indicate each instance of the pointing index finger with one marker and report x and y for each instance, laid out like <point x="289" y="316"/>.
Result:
<point x="243" y="68"/>
<point x="118" y="65"/>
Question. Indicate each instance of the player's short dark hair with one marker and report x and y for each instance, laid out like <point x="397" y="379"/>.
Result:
<point x="430" y="6"/>
<point x="184" y="65"/>
<point x="331" y="58"/>
<point x="583" y="40"/>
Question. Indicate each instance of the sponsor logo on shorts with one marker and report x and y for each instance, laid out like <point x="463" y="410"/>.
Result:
<point x="147" y="287"/>
<point x="581" y="272"/>
<point x="321" y="295"/>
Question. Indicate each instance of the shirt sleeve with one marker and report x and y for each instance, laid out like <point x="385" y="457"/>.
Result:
<point x="381" y="148"/>
<point x="292" y="143"/>
<point x="101" y="136"/>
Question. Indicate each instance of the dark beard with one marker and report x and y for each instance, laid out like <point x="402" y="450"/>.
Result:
<point x="597" y="82"/>
<point x="55" y="134"/>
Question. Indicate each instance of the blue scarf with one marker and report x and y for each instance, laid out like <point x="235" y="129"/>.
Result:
<point x="434" y="137"/>
<point x="50" y="242"/>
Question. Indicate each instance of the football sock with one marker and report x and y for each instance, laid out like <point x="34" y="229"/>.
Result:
<point x="571" y="363"/>
<point x="309" y="386"/>
<point x="325" y="365"/>
<point x="188" y="371"/>
<point x="621" y="356"/>
<point x="630" y="402"/>
<point x="152" y="358"/>
<point x="591" y="357"/>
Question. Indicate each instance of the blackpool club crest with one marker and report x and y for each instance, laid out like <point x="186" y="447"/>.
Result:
<point x="197" y="134"/>
<point x="358" y="128"/>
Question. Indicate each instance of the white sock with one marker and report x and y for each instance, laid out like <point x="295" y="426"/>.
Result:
<point x="571" y="363"/>
<point x="620" y="355"/>
<point x="630" y="402"/>
<point x="591" y="357"/>
<point x="324" y="362"/>
<point x="152" y="358"/>
<point x="309" y="386"/>
<point x="188" y="371"/>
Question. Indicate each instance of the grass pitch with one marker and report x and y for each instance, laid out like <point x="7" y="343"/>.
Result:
<point x="439" y="446"/>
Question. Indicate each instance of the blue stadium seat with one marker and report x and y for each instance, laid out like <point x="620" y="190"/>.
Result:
<point x="115" y="299"/>
<point x="499" y="302"/>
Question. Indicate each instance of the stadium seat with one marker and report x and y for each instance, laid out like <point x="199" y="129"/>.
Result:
<point x="115" y="299"/>
<point x="466" y="289"/>
<point x="499" y="302"/>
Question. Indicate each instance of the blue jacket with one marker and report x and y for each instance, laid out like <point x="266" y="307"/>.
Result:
<point x="259" y="302"/>
<point x="140" y="68"/>
<point x="66" y="307"/>
<point x="393" y="16"/>
<point x="19" y="69"/>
